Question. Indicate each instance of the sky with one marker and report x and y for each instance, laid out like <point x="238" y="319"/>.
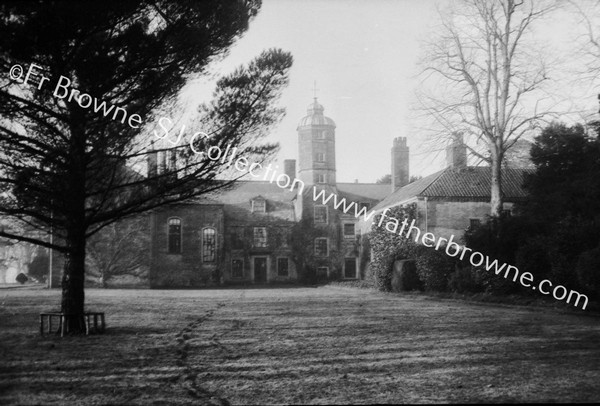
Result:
<point x="363" y="56"/>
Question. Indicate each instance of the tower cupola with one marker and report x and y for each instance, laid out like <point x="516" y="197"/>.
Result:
<point x="316" y="143"/>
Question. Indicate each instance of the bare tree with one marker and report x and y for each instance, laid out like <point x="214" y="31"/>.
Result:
<point x="71" y="168"/>
<point x="587" y="38"/>
<point x="119" y="249"/>
<point x="484" y="77"/>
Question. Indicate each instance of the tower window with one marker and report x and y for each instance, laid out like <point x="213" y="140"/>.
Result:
<point x="320" y="214"/>
<point x="260" y="237"/>
<point x="319" y="157"/>
<point x="174" y="236"/>
<point x="320" y="178"/>
<point x="321" y="247"/>
<point x="349" y="232"/>
<point x="320" y="134"/>
<point x="209" y="244"/>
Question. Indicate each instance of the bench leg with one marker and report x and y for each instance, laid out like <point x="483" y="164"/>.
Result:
<point x="41" y="324"/>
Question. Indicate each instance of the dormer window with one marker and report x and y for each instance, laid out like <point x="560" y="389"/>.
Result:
<point x="259" y="205"/>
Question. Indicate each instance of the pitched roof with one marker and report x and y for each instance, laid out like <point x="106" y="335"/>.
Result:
<point x="372" y="191"/>
<point x="245" y="190"/>
<point x="470" y="183"/>
<point x="409" y="191"/>
<point x="238" y="199"/>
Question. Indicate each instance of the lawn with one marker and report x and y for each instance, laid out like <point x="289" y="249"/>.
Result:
<point x="296" y="345"/>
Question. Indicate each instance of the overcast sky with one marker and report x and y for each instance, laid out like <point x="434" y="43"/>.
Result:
<point x="363" y="55"/>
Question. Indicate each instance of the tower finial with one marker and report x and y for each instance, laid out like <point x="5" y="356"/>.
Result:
<point x="314" y="89"/>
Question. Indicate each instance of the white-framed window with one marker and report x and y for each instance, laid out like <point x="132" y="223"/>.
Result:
<point x="321" y="214"/>
<point x="283" y="266"/>
<point x="474" y="223"/>
<point x="321" y="247"/>
<point x="322" y="272"/>
<point x="237" y="268"/>
<point x="321" y="134"/>
<point x="259" y="206"/>
<point x="260" y="237"/>
<point x="320" y="157"/>
<point x="209" y="244"/>
<point x="174" y="235"/>
<point x="349" y="231"/>
<point x="350" y="268"/>
<point x="320" y="178"/>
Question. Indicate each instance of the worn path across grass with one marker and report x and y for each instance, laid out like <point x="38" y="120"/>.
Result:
<point x="296" y="345"/>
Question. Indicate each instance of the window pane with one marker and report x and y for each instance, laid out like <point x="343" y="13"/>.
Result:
<point x="174" y="236"/>
<point x="260" y="237"/>
<point x="209" y="244"/>
<point x="321" y="247"/>
<point x="282" y="266"/>
<point x="474" y="223"/>
<point x="348" y="230"/>
<point x="259" y="205"/>
<point x="320" y="213"/>
<point x="237" y="268"/>
<point x="322" y="272"/>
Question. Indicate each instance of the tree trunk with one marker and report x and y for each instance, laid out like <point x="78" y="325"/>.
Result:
<point x="496" y="189"/>
<point x="73" y="296"/>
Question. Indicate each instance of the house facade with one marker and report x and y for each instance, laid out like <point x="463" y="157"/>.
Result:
<point x="257" y="232"/>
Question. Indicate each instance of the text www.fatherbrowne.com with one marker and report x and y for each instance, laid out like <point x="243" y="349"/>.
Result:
<point x="452" y="249"/>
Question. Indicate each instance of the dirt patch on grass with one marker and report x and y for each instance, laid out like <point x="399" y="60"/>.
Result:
<point x="304" y="345"/>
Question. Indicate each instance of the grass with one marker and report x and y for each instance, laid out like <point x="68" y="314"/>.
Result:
<point x="296" y="345"/>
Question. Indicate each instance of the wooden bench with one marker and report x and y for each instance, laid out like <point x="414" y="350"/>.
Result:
<point x="90" y="320"/>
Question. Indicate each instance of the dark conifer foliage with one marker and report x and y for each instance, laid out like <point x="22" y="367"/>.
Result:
<point x="67" y="168"/>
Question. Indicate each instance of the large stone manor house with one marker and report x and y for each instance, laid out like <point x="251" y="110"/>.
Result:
<point x="251" y="233"/>
<point x="258" y="232"/>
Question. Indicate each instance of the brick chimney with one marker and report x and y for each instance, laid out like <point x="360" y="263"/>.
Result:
<point x="289" y="168"/>
<point x="399" y="163"/>
<point x="162" y="162"/>
<point x="456" y="153"/>
<point x="152" y="161"/>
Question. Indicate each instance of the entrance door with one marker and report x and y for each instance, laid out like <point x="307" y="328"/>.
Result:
<point x="350" y="268"/>
<point x="260" y="269"/>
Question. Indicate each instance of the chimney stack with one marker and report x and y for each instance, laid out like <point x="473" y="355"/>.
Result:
<point x="399" y="163"/>
<point x="162" y="162"/>
<point x="456" y="153"/>
<point x="152" y="161"/>
<point x="289" y="168"/>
